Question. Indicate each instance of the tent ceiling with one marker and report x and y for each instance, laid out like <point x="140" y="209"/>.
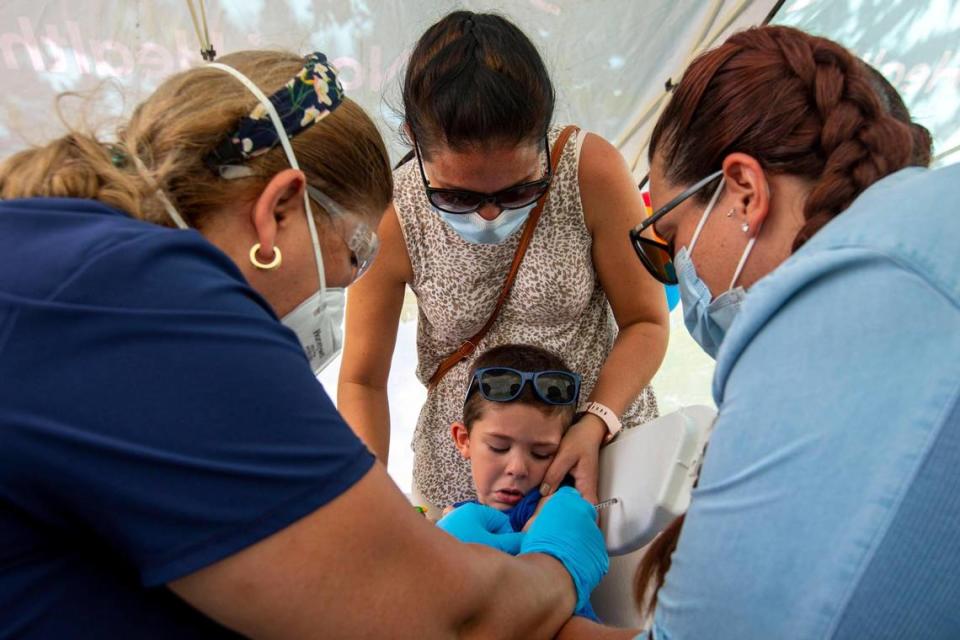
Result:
<point x="609" y="60"/>
<point x="605" y="73"/>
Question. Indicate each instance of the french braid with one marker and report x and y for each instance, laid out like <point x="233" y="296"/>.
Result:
<point x="859" y="140"/>
<point x="801" y="105"/>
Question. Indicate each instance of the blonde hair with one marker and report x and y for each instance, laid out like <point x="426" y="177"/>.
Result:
<point x="179" y="124"/>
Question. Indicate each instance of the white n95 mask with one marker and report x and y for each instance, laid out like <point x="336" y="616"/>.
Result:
<point x="318" y="323"/>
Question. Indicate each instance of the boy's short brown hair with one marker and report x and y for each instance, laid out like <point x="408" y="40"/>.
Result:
<point x="523" y="357"/>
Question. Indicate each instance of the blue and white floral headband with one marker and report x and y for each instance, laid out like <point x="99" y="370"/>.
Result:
<point x="306" y="99"/>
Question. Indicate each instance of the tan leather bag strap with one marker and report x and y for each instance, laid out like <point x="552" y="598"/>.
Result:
<point x="470" y="345"/>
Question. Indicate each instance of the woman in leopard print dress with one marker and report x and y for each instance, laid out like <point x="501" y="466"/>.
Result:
<point x="478" y="108"/>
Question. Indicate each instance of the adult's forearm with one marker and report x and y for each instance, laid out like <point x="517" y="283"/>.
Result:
<point x="631" y="364"/>
<point x="583" y="629"/>
<point x="367" y="411"/>
<point x="528" y="596"/>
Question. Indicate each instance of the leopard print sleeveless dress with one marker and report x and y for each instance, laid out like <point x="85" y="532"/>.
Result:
<point x="556" y="303"/>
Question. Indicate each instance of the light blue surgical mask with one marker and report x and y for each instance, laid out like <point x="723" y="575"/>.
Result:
<point x="708" y="318"/>
<point x="474" y="228"/>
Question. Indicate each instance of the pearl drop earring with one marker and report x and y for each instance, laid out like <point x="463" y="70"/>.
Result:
<point x="745" y="227"/>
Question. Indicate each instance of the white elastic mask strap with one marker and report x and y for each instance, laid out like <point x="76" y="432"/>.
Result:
<point x="291" y="158"/>
<point x="164" y="200"/>
<point x="743" y="258"/>
<point x="703" y="218"/>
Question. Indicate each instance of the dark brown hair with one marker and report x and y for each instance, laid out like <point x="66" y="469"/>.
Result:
<point x="799" y="104"/>
<point x="522" y="357"/>
<point x="653" y="567"/>
<point x="476" y="79"/>
<point x="922" y="140"/>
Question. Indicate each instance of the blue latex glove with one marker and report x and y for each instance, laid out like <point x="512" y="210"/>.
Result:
<point x="481" y="524"/>
<point x="567" y="530"/>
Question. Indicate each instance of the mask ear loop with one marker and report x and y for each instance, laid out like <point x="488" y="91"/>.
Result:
<point x="291" y="158"/>
<point x="703" y="218"/>
<point x="164" y="200"/>
<point x="743" y="258"/>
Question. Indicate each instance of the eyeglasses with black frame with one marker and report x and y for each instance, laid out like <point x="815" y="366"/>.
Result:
<point x="466" y="201"/>
<point x="656" y="255"/>
<point x="504" y="384"/>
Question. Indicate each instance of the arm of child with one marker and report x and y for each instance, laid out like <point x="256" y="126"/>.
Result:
<point x="536" y="512"/>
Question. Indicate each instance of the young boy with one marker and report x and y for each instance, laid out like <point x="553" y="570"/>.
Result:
<point x="520" y="401"/>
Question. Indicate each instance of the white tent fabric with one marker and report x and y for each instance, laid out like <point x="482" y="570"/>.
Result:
<point x="914" y="43"/>
<point x="609" y="60"/>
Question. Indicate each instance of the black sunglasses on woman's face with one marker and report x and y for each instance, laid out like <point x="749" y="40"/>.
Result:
<point x="655" y="255"/>
<point x="465" y="201"/>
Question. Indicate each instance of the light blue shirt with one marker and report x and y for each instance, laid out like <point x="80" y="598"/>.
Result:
<point x="829" y="501"/>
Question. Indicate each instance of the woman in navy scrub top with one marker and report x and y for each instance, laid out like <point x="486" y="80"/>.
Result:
<point x="169" y="465"/>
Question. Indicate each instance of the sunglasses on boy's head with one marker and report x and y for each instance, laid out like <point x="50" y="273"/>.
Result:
<point x="503" y="384"/>
<point x="465" y="201"/>
<point x="656" y="255"/>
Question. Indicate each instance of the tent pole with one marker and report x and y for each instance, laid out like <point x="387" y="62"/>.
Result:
<point x="773" y="12"/>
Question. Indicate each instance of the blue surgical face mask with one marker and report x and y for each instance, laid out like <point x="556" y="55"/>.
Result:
<point x="708" y="318"/>
<point x="474" y="228"/>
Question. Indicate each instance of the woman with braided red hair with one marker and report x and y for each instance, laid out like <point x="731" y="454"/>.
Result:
<point x="826" y="284"/>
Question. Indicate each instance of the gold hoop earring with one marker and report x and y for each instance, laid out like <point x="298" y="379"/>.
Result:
<point x="266" y="266"/>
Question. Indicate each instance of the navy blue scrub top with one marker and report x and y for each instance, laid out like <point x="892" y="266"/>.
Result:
<point x="155" y="417"/>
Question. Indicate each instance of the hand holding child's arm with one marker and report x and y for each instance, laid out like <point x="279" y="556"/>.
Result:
<point x="578" y="456"/>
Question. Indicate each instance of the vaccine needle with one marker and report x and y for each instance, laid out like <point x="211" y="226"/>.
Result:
<point x="603" y="504"/>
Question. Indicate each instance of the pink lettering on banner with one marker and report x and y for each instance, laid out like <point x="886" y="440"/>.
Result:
<point x="894" y="71"/>
<point x="353" y="67"/>
<point x="869" y="58"/>
<point x="355" y="75"/>
<point x="154" y="61"/>
<point x="117" y="53"/>
<point x="944" y="72"/>
<point x="76" y="41"/>
<point x="914" y="79"/>
<point x="918" y="78"/>
<point x="56" y="48"/>
<point x="25" y="39"/>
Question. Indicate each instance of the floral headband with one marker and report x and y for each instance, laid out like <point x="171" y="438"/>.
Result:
<point x="308" y="98"/>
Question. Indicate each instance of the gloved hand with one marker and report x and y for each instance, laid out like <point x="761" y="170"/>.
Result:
<point x="567" y="530"/>
<point x="479" y="523"/>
